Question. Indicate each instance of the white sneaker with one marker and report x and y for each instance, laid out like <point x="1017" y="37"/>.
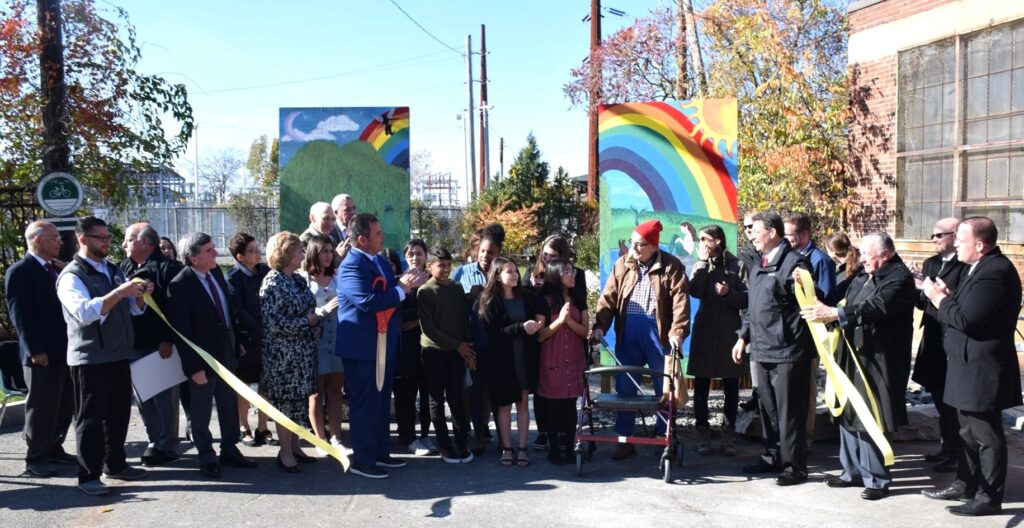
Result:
<point x="320" y="452"/>
<point x="337" y="443"/>
<point x="468" y="458"/>
<point x="418" y="448"/>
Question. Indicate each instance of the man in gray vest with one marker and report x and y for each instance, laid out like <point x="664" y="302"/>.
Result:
<point x="98" y="304"/>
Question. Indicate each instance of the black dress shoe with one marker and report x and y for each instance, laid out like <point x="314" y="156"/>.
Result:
<point x="287" y="468"/>
<point x="975" y="509"/>
<point x="237" y="460"/>
<point x="836" y="482"/>
<point x="873" y="494"/>
<point x="155" y="457"/>
<point x="949" y="493"/>
<point x="38" y="469"/>
<point x="790" y="479"/>
<point x="211" y="470"/>
<point x="303" y="457"/>
<point x="761" y="467"/>
<point x="947" y="465"/>
<point x="936" y="457"/>
<point x="62" y="458"/>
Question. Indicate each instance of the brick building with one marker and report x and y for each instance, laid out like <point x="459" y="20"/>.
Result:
<point x="937" y="108"/>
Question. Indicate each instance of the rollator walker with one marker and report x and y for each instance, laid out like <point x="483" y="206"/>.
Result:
<point x="643" y="403"/>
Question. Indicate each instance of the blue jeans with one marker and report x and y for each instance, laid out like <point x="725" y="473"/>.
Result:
<point x="638" y="346"/>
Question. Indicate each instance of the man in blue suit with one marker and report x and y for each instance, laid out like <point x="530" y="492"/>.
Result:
<point x="31" y="286"/>
<point x="368" y="328"/>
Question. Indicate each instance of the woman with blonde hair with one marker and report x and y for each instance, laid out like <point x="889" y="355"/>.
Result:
<point x="290" y="342"/>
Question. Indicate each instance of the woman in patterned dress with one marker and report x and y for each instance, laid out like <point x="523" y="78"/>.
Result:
<point x="290" y="342"/>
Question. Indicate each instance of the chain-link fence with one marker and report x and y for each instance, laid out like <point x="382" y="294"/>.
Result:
<point x="218" y="222"/>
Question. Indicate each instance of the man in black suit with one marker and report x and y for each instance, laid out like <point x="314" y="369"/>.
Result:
<point x="781" y="350"/>
<point x="159" y="413"/>
<point x="878" y="320"/>
<point x="982" y="376"/>
<point x="201" y="308"/>
<point x="930" y="366"/>
<point x="31" y="286"/>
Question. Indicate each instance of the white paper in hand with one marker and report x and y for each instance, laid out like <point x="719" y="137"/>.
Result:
<point x="152" y="374"/>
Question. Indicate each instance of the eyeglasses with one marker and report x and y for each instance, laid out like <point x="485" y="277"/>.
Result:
<point x="936" y="236"/>
<point x="105" y="238"/>
<point x="748" y="226"/>
<point x="639" y="244"/>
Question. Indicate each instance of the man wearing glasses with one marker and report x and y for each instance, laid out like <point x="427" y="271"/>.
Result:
<point x="930" y="367"/>
<point x="98" y="306"/>
<point x="750" y="255"/>
<point x="647" y="295"/>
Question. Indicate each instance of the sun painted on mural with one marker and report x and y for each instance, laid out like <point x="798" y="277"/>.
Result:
<point x="673" y="161"/>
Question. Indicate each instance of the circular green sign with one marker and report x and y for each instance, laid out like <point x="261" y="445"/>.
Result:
<point x="60" y="194"/>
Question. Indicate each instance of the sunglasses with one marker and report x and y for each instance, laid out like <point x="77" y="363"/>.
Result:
<point x="748" y="226"/>
<point x="936" y="236"/>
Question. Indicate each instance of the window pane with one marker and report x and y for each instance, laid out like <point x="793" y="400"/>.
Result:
<point x="912" y="227"/>
<point x="1018" y="45"/>
<point x="977" y="97"/>
<point x="997" y="177"/>
<point x="932" y="104"/>
<point x="977" y="57"/>
<point x="999" y="93"/>
<point x="1000" y="55"/>
<point x="1017" y="94"/>
<point x="946" y="60"/>
<point x="977" y="132"/>
<point x="947" y="100"/>
<point x="946" y="187"/>
<point x="975" y="185"/>
<point x="932" y="136"/>
<point x="999" y="129"/>
<point x="1017" y="127"/>
<point x="911" y="139"/>
<point x="931" y="182"/>
<point x="1017" y="176"/>
<point x="1015" y="230"/>
<point x="930" y="213"/>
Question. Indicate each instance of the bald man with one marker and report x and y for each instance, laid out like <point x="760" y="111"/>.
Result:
<point x="31" y="286"/>
<point x="321" y="222"/>
<point x="930" y="365"/>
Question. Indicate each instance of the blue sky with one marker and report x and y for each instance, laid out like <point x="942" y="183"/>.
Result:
<point x="243" y="61"/>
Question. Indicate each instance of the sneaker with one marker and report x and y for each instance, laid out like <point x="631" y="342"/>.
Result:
<point x="372" y="472"/>
<point x="320" y="451"/>
<point x="467" y="458"/>
<point x="541" y="442"/>
<point x="37" y="469"/>
<point x="94" y="487"/>
<point x="337" y="443"/>
<point x="128" y="473"/>
<point x="449" y="456"/>
<point x="418" y="448"/>
<point x="391" y="462"/>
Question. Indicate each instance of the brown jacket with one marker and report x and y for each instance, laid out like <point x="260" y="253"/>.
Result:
<point x="671" y="291"/>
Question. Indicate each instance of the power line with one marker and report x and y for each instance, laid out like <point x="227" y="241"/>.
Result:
<point x="381" y="67"/>
<point x="429" y="34"/>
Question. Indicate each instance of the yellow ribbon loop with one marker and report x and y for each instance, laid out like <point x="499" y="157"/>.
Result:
<point x="251" y="396"/>
<point x="839" y="390"/>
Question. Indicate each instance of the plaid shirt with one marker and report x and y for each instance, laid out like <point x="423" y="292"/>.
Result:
<point x="641" y="301"/>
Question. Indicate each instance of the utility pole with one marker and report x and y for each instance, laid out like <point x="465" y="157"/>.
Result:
<point x="501" y="157"/>
<point x="484" y="158"/>
<point x="594" y="96"/>
<point x="470" y="146"/>
<point x="56" y="152"/>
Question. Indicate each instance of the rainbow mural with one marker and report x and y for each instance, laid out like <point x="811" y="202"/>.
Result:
<point x="673" y="161"/>
<point x="389" y="135"/>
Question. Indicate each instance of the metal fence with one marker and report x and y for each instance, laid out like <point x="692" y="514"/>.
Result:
<point x="218" y="222"/>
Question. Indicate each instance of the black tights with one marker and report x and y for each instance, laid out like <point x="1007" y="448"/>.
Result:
<point x="701" y="388"/>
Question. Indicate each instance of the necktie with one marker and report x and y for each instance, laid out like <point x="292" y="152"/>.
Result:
<point x="764" y="262"/>
<point x="52" y="269"/>
<point x="216" y="298"/>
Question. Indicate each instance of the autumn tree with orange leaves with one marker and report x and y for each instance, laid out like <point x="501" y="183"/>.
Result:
<point x="785" y="62"/>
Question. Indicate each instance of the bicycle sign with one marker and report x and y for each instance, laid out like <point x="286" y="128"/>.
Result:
<point x="60" y="194"/>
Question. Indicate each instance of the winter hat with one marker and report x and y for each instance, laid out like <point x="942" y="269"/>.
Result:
<point x="650" y="230"/>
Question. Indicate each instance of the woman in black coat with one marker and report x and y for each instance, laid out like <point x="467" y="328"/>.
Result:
<point x="510" y="319"/>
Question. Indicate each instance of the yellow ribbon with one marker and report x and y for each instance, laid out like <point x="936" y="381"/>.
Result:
<point x="254" y="398"/>
<point x="839" y="390"/>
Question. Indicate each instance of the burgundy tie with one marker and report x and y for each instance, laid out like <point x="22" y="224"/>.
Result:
<point x="216" y="298"/>
<point x="764" y="262"/>
<point x="52" y="269"/>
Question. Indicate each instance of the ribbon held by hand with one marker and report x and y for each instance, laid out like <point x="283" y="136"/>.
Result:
<point x="383" y="318"/>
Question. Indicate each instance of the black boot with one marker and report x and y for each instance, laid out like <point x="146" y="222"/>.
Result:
<point x="555" y="455"/>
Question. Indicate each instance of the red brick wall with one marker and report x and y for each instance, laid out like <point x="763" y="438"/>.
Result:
<point x="890" y="10"/>
<point x="873" y="146"/>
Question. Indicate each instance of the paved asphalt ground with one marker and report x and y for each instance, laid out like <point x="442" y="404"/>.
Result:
<point x="707" y="491"/>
